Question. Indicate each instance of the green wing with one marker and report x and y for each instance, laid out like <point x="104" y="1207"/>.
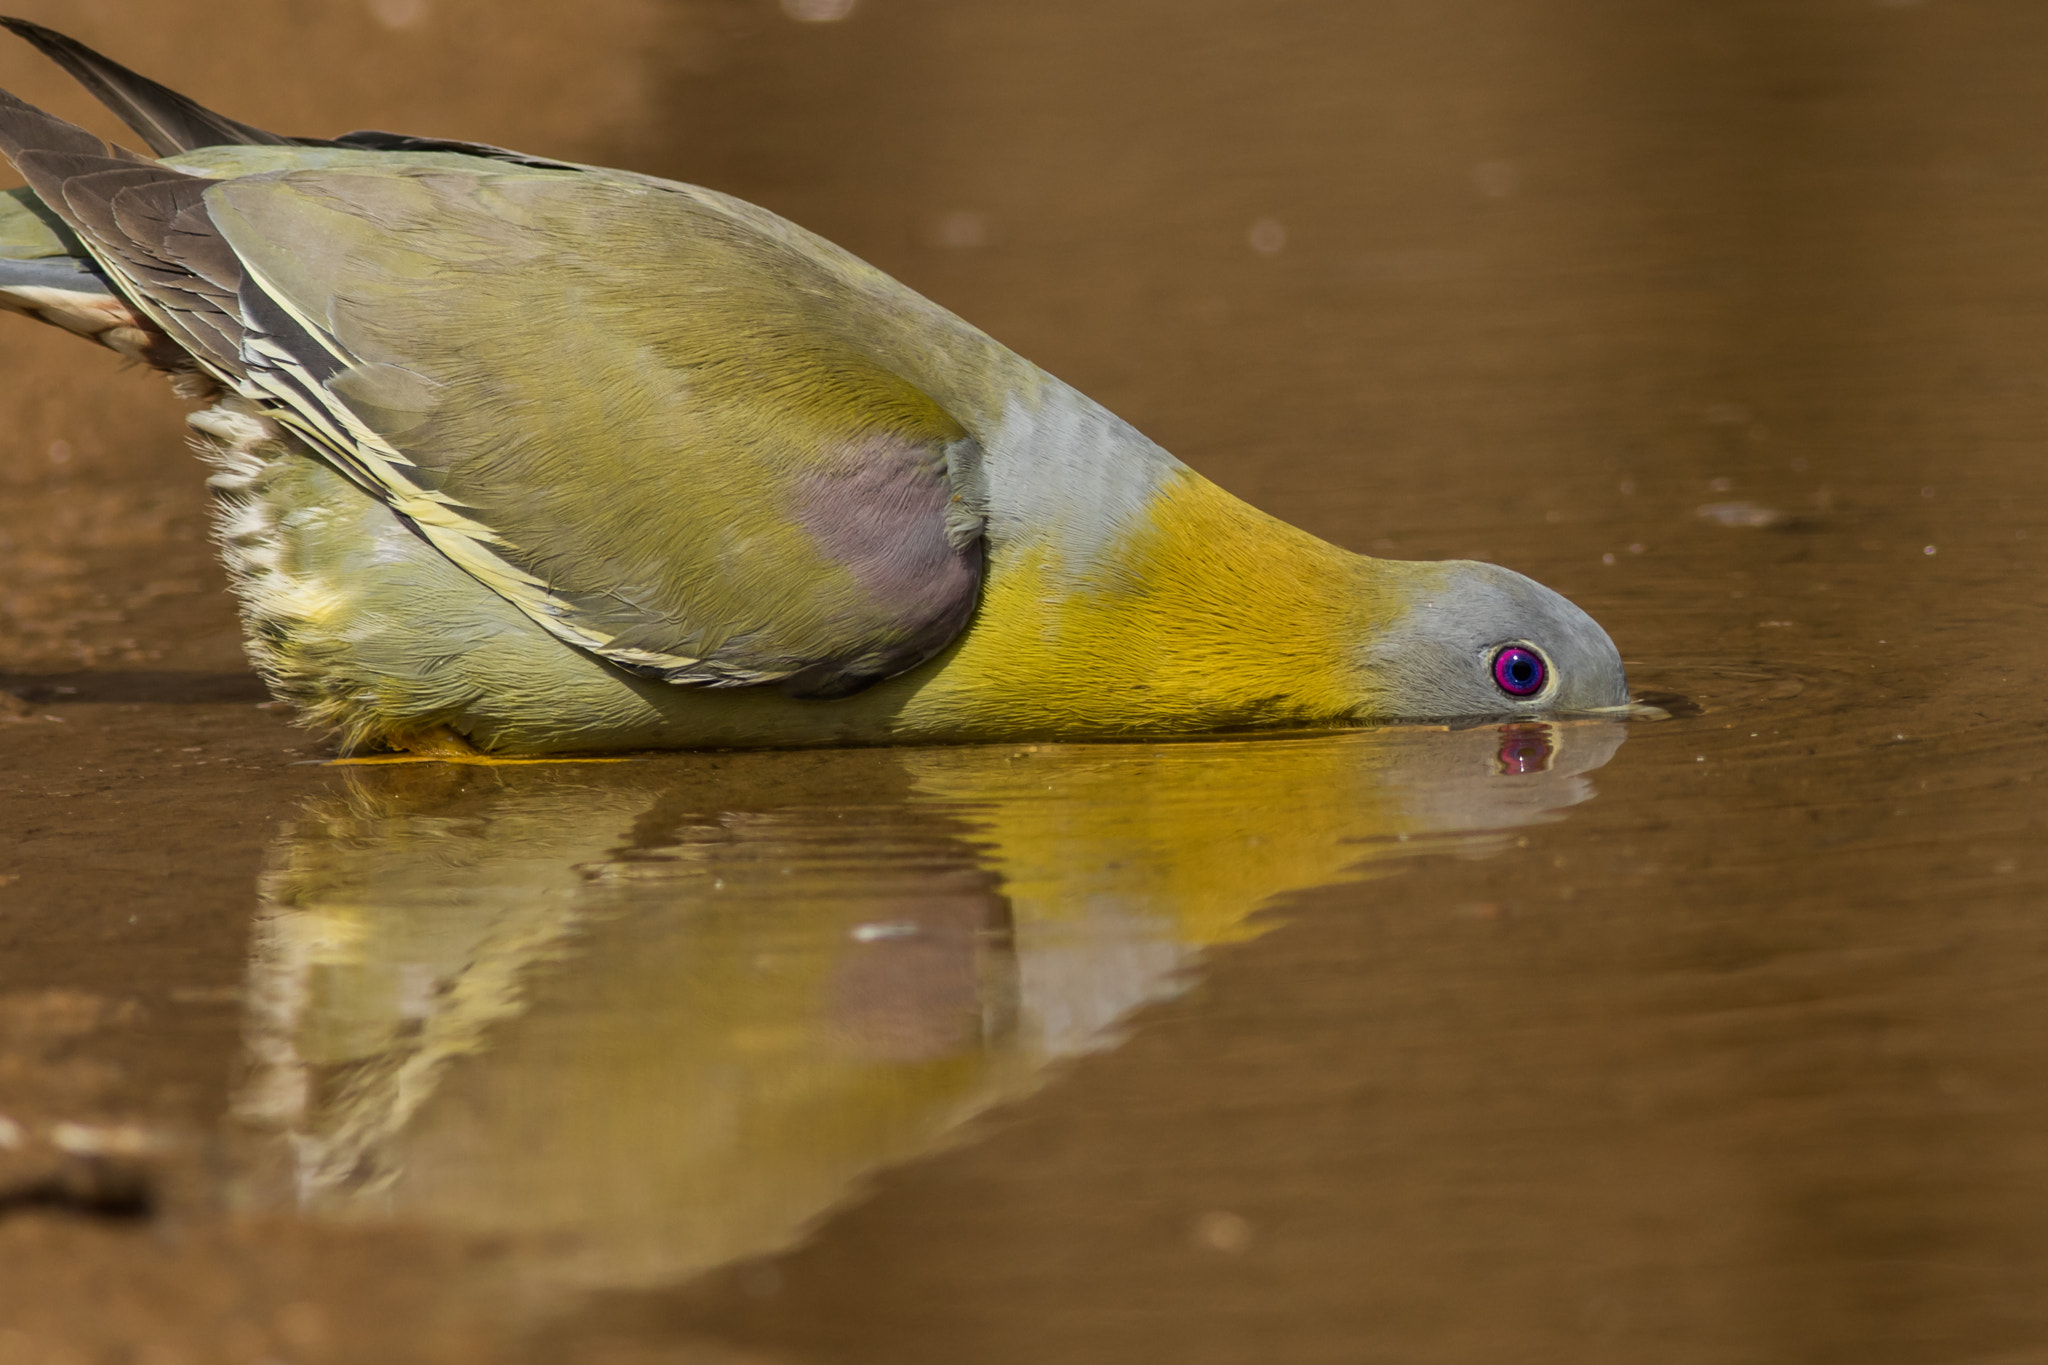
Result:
<point x="652" y="427"/>
<point x="656" y="427"/>
<point x="638" y="420"/>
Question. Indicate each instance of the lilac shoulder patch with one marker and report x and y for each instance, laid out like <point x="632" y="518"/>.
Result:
<point x="879" y="506"/>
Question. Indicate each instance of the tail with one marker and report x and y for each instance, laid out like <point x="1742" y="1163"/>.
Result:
<point x="170" y="123"/>
<point x="47" y="272"/>
<point x="164" y="119"/>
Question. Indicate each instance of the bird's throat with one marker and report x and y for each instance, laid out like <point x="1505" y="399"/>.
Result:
<point x="1205" y="614"/>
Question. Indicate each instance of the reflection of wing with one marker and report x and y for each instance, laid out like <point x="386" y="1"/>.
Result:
<point x="392" y="939"/>
<point x="768" y="996"/>
<point x="773" y="973"/>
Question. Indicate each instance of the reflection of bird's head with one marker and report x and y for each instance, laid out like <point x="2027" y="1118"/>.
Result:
<point x="1495" y="777"/>
<point x="1199" y="836"/>
<point x="1474" y="639"/>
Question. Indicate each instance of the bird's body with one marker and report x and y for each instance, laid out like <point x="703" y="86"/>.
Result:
<point x="551" y="457"/>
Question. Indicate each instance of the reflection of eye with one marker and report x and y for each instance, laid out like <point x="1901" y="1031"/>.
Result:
<point x="1523" y="749"/>
<point x="1519" y="672"/>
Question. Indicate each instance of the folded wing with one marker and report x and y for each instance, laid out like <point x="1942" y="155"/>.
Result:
<point x="648" y="426"/>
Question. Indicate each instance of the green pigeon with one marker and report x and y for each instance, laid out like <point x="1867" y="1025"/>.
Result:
<point x="516" y="456"/>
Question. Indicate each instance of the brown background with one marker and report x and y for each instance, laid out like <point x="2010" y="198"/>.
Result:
<point x="1741" y="1063"/>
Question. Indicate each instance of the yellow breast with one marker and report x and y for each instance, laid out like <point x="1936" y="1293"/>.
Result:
<point x="1208" y="615"/>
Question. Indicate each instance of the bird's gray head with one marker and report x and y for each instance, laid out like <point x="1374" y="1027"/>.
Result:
<point x="1475" y="640"/>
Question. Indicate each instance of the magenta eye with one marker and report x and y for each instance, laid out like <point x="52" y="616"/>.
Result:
<point x="1519" y="672"/>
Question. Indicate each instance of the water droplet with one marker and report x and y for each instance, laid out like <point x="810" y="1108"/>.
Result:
<point x="882" y="930"/>
<point x="399" y="13"/>
<point x="1267" y="237"/>
<point x="1739" y="514"/>
<point x="1496" y="179"/>
<point x="1219" y="1230"/>
<point x="961" y="229"/>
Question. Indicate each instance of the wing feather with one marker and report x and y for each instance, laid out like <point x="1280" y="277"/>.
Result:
<point x="652" y="427"/>
<point x="668" y="461"/>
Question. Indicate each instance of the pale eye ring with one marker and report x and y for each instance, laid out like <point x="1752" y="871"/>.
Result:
<point x="1518" y="671"/>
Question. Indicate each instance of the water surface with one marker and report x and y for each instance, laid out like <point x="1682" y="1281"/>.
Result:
<point x="652" y="1018"/>
<point x="1722" y="1044"/>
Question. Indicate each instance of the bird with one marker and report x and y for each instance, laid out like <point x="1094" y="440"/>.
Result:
<point x="515" y="456"/>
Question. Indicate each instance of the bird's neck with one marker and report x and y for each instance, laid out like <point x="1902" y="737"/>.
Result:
<point x="1201" y="613"/>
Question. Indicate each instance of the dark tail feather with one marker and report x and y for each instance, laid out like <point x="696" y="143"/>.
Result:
<point x="26" y="131"/>
<point x="170" y="123"/>
<point x="163" y="118"/>
<point x="77" y="177"/>
<point x="23" y="126"/>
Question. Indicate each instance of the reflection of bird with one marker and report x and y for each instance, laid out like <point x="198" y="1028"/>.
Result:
<point x="1154" y="850"/>
<point x="541" y="456"/>
<point x="655" y="1016"/>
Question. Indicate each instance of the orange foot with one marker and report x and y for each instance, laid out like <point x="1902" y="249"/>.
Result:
<point x="442" y="745"/>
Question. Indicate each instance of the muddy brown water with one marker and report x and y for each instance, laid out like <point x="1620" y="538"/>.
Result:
<point x="1719" y="1038"/>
